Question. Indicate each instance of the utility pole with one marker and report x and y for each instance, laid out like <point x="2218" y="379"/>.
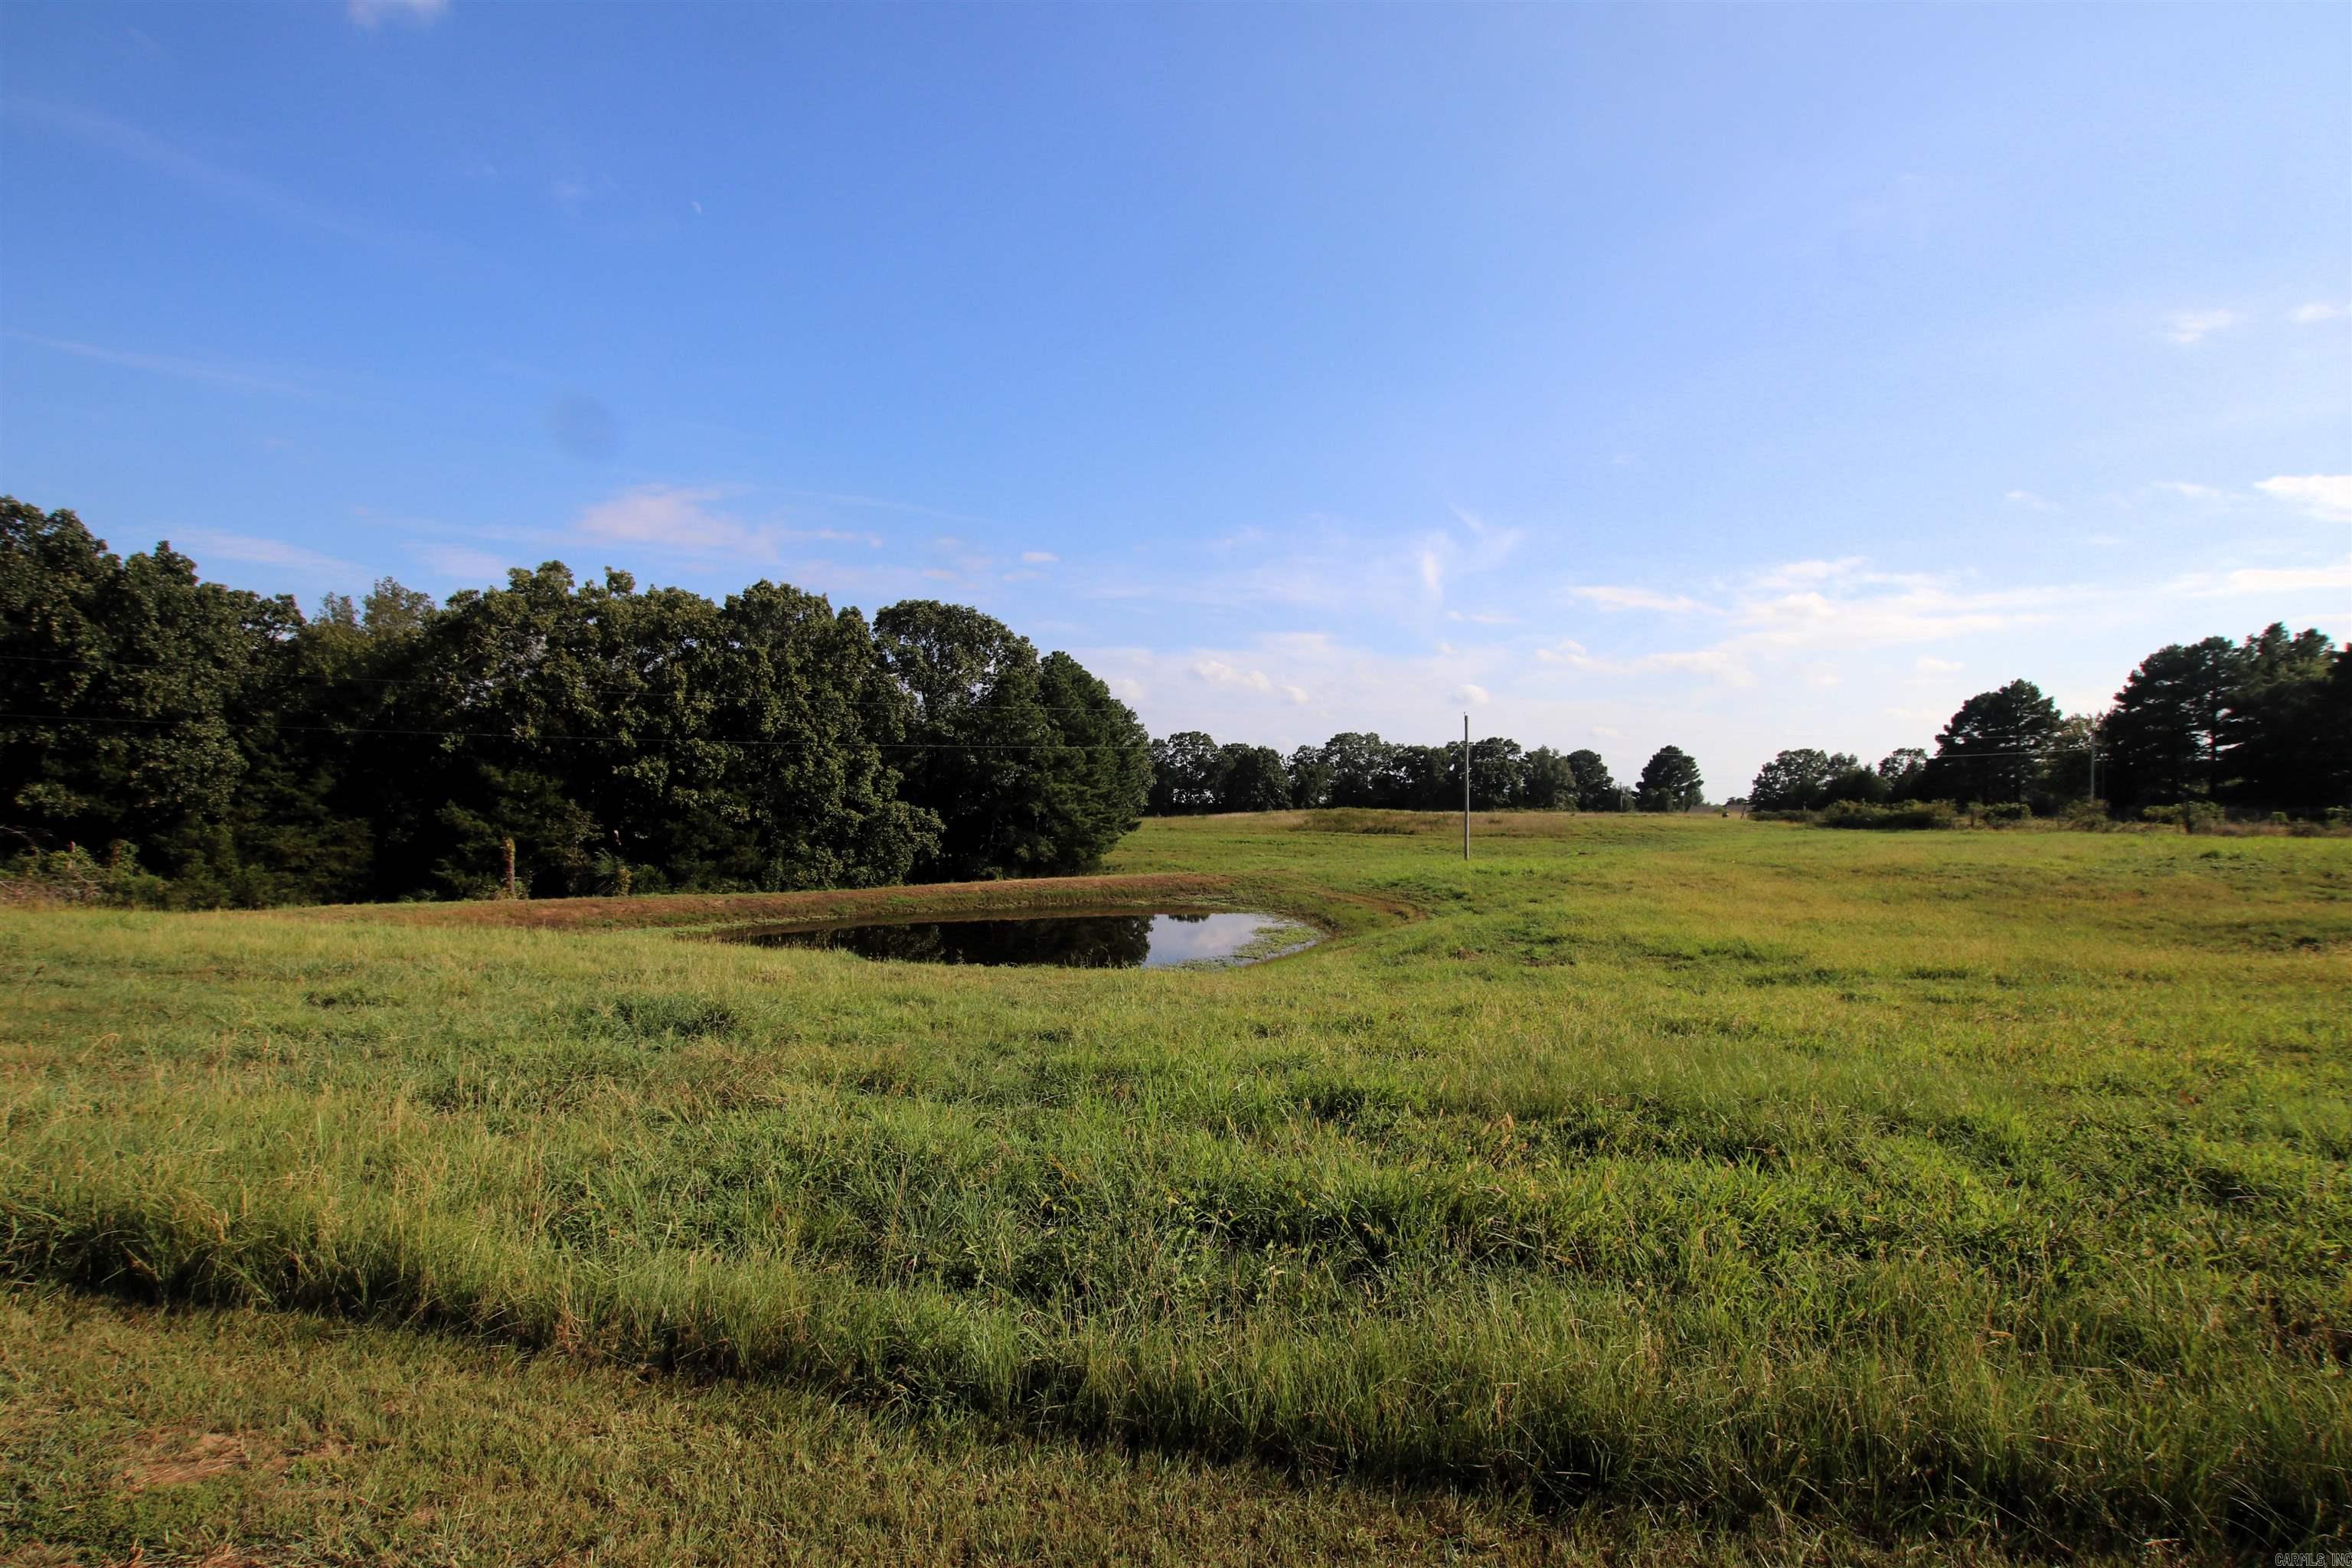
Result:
<point x="1466" y="787"/>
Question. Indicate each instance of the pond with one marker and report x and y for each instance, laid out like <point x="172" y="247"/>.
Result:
<point x="1084" y="940"/>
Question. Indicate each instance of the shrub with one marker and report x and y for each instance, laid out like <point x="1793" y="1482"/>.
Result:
<point x="2192" y="815"/>
<point x="73" y="876"/>
<point x="1998" y="813"/>
<point x="1908" y="813"/>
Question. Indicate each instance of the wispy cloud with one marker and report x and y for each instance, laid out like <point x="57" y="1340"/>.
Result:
<point x="685" y="519"/>
<point x="2322" y="495"/>
<point x="1618" y="598"/>
<point x="2320" y="311"/>
<point x="1039" y="557"/>
<point x="2031" y="501"/>
<point x="2195" y="326"/>
<point x="373" y="13"/>
<point x="463" y="563"/>
<point x="2187" y="491"/>
<point x="1470" y="694"/>
<point x="255" y="550"/>
<point x="211" y="372"/>
<point x="229" y="185"/>
<point x="2251" y="582"/>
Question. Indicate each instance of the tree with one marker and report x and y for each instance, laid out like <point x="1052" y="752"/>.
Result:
<point x="1798" y="780"/>
<point x="1252" y="779"/>
<point x="1990" y="750"/>
<point x="1901" y="773"/>
<point x="1363" y="770"/>
<point x="1595" y="790"/>
<point x="1550" y="784"/>
<point x="1184" y="774"/>
<point x="128" y="678"/>
<point x="2277" y="731"/>
<point x="1422" y="778"/>
<point x="1096" y="780"/>
<point x="2063" y="777"/>
<point x="987" y="755"/>
<point x="1848" y="780"/>
<point x="1497" y="774"/>
<point x="1670" y="781"/>
<point x="2164" y="736"/>
<point x="1310" y="777"/>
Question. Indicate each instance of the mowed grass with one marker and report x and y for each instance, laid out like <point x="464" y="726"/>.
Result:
<point x="1979" y="1188"/>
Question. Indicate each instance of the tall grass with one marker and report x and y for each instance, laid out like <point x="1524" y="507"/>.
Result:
<point x="1951" y="1183"/>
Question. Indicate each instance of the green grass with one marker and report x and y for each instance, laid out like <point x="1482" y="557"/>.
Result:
<point x="1982" y="1189"/>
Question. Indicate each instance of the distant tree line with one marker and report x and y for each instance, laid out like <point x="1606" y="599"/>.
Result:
<point x="1190" y="772"/>
<point x="2264" y="724"/>
<point x="618" y="739"/>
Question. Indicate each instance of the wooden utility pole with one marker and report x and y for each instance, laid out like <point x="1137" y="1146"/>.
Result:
<point x="1466" y="787"/>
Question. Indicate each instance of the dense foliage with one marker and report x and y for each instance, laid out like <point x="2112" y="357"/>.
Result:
<point x="1192" y="773"/>
<point x="619" y="740"/>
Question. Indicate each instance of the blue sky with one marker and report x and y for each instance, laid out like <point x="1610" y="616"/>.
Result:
<point x="1737" y="377"/>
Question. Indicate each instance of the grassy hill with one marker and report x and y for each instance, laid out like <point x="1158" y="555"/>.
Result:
<point x="1695" y="1188"/>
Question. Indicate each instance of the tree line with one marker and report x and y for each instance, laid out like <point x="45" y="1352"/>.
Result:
<point x="1190" y="772"/>
<point x="2263" y="724"/>
<point x="593" y="736"/>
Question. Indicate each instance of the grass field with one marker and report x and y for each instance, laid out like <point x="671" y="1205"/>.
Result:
<point x="1687" y="1188"/>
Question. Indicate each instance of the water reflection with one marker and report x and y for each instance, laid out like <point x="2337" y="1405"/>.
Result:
<point x="1066" y="941"/>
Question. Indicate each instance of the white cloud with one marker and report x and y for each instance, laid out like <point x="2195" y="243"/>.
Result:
<point x="2031" y="501"/>
<point x="1127" y="691"/>
<point x="1433" y="572"/>
<point x="676" y="517"/>
<point x="2194" y="326"/>
<point x="2187" y="491"/>
<point x="2322" y="495"/>
<point x="1614" y="598"/>
<point x="1928" y="664"/>
<point x="1039" y="557"/>
<point x="457" y="561"/>
<point x="2319" y="311"/>
<point x="1217" y="672"/>
<point x="212" y="373"/>
<point x="372" y="12"/>
<point x="1472" y="694"/>
<point x="255" y="550"/>
<point x="2252" y="581"/>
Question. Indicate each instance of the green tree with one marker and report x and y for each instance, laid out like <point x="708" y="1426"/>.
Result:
<point x="2275" y="732"/>
<point x="1550" y="784"/>
<point x="988" y="757"/>
<point x="1670" y="781"/>
<point x="1252" y="779"/>
<point x="1902" y="773"/>
<point x="1595" y="790"/>
<point x="1310" y="777"/>
<point x="1363" y="770"/>
<point x="1798" y="779"/>
<point x="1184" y="769"/>
<point x="2165" y="737"/>
<point x="128" y="682"/>
<point x="1990" y="750"/>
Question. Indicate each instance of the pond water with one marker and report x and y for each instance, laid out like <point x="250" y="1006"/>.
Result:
<point x="1092" y="940"/>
